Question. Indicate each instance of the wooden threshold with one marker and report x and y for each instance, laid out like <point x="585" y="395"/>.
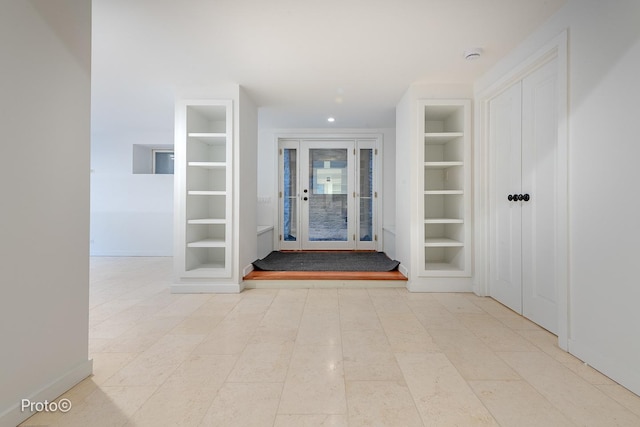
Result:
<point x="325" y="275"/>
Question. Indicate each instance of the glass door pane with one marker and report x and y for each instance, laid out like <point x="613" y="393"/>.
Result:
<point x="290" y="195"/>
<point x="328" y="195"/>
<point x="365" y="177"/>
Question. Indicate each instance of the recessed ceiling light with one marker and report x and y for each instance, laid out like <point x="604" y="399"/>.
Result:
<point x="331" y="119"/>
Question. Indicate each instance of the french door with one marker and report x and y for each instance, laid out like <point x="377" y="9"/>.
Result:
<point x="327" y="197"/>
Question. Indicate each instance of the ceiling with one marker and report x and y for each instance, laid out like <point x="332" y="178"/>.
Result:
<point x="301" y="61"/>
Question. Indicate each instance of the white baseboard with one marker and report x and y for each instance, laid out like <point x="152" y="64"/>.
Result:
<point x="403" y="270"/>
<point x="248" y="269"/>
<point x="99" y="253"/>
<point x="627" y="376"/>
<point x="14" y="415"/>
<point x="206" y="288"/>
<point x="440" y="284"/>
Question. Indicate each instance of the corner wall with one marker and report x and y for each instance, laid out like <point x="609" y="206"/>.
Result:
<point x="44" y="220"/>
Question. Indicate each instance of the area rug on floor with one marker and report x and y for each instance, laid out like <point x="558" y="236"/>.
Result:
<point x="326" y="261"/>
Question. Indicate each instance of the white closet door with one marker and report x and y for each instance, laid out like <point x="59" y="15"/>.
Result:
<point x="506" y="224"/>
<point x="539" y="178"/>
<point x="523" y="136"/>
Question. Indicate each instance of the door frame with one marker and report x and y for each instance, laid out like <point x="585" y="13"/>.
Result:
<point x="369" y="140"/>
<point x="556" y="48"/>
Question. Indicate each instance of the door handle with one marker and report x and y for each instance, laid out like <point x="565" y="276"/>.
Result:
<point x="518" y="197"/>
<point x="305" y="198"/>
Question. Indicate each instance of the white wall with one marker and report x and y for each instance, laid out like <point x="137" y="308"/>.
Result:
<point x="44" y="219"/>
<point x="246" y="176"/>
<point x="267" y="213"/>
<point x="405" y="180"/>
<point x="604" y="52"/>
<point x="131" y="214"/>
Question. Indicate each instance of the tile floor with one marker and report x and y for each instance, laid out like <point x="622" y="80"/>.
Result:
<point x="323" y="357"/>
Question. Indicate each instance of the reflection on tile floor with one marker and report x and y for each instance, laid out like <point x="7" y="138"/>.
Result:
<point x="322" y="357"/>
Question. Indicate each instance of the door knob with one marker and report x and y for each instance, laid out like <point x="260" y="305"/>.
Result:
<point x="305" y="198"/>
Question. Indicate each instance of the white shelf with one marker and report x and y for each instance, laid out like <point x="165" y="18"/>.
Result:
<point x="443" y="221"/>
<point x="442" y="165"/>
<point x="206" y="221"/>
<point x="207" y="243"/>
<point x="441" y="266"/>
<point x="208" y="266"/>
<point x="208" y="165"/>
<point x="206" y="193"/>
<point x="444" y="210"/>
<point x="437" y="138"/>
<point x="221" y="137"/>
<point x="441" y="242"/>
<point x="437" y="192"/>
<point x="204" y="211"/>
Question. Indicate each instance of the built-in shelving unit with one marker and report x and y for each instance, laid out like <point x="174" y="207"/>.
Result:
<point x="203" y="190"/>
<point x="444" y="131"/>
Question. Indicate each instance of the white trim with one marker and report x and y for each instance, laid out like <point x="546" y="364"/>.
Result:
<point x="153" y="158"/>
<point x="439" y="284"/>
<point x="49" y="392"/>
<point x="402" y="269"/>
<point x="629" y="378"/>
<point x="130" y="254"/>
<point x="556" y="48"/>
<point x="206" y="288"/>
<point x="247" y="269"/>
<point x="264" y="228"/>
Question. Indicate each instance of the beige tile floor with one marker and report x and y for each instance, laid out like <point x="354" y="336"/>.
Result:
<point x="323" y="357"/>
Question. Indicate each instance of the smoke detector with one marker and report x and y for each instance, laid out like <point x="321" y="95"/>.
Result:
<point x="472" y="54"/>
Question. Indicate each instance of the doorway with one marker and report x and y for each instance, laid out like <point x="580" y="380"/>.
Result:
<point x="523" y="139"/>
<point x="328" y="198"/>
<point x="522" y="212"/>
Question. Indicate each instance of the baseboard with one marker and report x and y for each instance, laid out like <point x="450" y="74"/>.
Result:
<point x="627" y="376"/>
<point x="248" y="269"/>
<point x="440" y="284"/>
<point x="206" y="288"/>
<point x="130" y="253"/>
<point x="402" y="269"/>
<point x="15" y="415"/>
